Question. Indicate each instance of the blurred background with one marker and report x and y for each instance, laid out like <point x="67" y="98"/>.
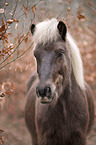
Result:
<point x="17" y="61"/>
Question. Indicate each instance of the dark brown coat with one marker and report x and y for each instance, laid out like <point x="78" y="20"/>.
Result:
<point x="58" y="111"/>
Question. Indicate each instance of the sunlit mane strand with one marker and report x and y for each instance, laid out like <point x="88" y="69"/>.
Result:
<point x="76" y="61"/>
<point x="47" y="31"/>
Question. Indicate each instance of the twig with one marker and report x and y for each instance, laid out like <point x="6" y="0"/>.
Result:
<point x="14" y="49"/>
<point x="4" y="12"/>
<point x="90" y="7"/>
<point x="11" y="17"/>
<point x="14" y="9"/>
<point x="31" y="8"/>
<point x="65" y="14"/>
<point x="16" y="57"/>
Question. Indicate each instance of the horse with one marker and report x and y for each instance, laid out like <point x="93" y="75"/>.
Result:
<point x="59" y="107"/>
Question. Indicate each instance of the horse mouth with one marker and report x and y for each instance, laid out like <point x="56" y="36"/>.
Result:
<point x="46" y="100"/>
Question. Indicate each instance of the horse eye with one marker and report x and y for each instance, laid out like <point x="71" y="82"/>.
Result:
<point x="60" y="54"/>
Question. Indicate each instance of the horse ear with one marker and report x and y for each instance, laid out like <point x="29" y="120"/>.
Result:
<point x="62" y="30"/>
<point x="32" y="28"/>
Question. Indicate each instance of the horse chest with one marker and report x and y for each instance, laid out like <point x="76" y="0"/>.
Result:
<point x="52" y="126"/>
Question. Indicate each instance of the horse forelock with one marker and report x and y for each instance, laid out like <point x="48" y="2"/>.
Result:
<point x="47" y="31"/>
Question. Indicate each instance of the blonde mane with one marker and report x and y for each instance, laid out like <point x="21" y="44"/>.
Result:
<point x="76" y="61"/>
<point x="47" y="31"/>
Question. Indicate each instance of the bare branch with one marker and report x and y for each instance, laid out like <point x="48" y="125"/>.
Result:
<point x="11" y="17"/>
<point x="14" y="49"/>
<point x="18" y="57"/>
<point x="31" y="8"/>
<point x="66" y="13"/>
<point x="4" y="12"/>
<point x="14" y="9"/>
<point x="90" y="7"/>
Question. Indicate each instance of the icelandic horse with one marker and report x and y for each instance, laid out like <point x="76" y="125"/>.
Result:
<point x="59" y="108"/>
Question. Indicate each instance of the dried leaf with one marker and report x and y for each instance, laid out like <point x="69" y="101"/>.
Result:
<point x="2" y="28"/>
<point x="8" y="27"/>
<point x="89" y="78"/>
<point x="2" y="94"/>
<point x="10" y="21"/>
<point x="10" y="46"/>
<point x="5" y="86"/>
<point x="13" y="86"/>
<point x="26" y="39"/>
<point x="11" y="14"/>
<point x="20" y="38"/>
<point x="7" y="51"/>
<point x="25" y="10"/>
<point x="16" y="26"/>
<point x="1" y="11"/>
<point x="68" y="10"/>
<point x="7" y="89"/>
<point x="22" y="50"/>
<point x="18" y="67"/>
<point x="9" y="33"/>
<point x="34" y="9"/>
<point x="15" y="20"/>
<point x="8" y="92"/>
<point x="3" y="35"/>
<point x="5" y="38"/>
<point x="6" y="4"/>
<point x="1" y="131"/>
<point x="2" y="22"/>
<point x="81" y="17"/>
<point x="2" y="101"/>
<point x="2" y="140"/>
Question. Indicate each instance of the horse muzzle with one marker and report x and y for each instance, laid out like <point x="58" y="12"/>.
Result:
<point x="44" y="94"/>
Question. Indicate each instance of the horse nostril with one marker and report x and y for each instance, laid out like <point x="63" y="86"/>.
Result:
<point x="43" y="92"/>
<point x="40" y="92"/>
<point x="48" y="91"/>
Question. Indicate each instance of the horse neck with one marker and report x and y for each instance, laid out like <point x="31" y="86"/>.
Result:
<point x="71" y="86"/>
